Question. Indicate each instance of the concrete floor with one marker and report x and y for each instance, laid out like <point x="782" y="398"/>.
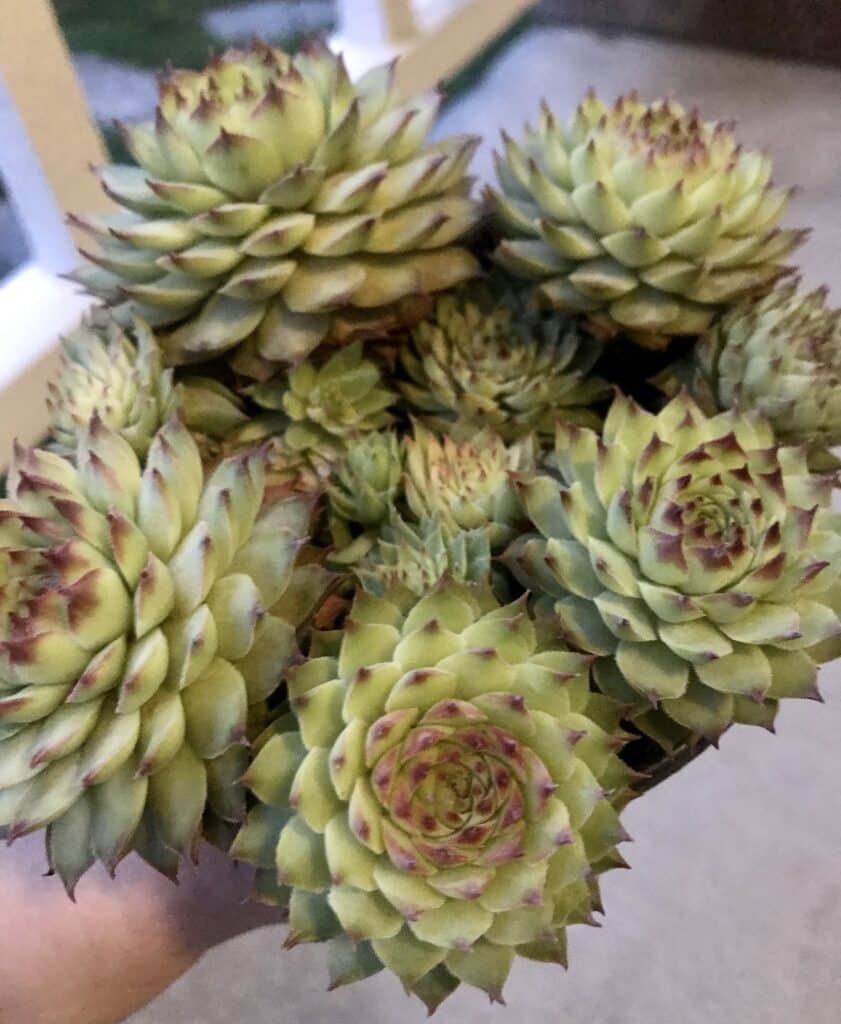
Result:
<point x="732" y="912"/>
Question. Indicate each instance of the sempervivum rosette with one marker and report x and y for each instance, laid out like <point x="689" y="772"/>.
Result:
<point x="466" y="485"/>
<point x="104" y="373"/>
<point x="326" y="407"/>
<point x="644" y="216"/>
<point x="780" y="355"/>
<point x="367" y="480"/>
<point x="119" y="378"/>
<point x="414" y="556"/>
<point x="276" y="201"/>
<point x="142" y="629"/>
<point x="693" y="555"/>
<point x="362" y="493"/>
<point x="484" y="363"/>
<point x="436" y="801"/>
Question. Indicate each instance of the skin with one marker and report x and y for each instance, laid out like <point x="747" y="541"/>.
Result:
<point x="122" y="943"/>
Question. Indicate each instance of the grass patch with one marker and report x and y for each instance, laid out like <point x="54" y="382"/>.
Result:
<point x="146" y="33"/>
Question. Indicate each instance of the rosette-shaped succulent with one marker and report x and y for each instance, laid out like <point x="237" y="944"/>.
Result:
<point x="415" y="556"/>
<point x="362" y="491"/>
<point x="105" y="374"/>
<point x="466" y="485"/>
<point x="690" y="553"/>
<point x="483" y="363"/>
<point x="275" y="201"/>
<point x="644" y="216"/>
<point x="437" y="801"/>
<point x="146" y="615"/>
<point x="328" y="406"/>
<point x="102" y="372"/>
<point x="780" y="355"/>
<point x="366" y="481"/>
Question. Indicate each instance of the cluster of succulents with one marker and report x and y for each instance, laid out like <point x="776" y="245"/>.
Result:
<point x="395" y="557"/>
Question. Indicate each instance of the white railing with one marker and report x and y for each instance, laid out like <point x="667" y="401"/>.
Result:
<point x="48" y="141"/>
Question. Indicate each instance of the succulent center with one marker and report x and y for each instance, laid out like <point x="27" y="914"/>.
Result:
<point x="666" y="135"/>
<point x="458" y="795"/>
<point x="713" y="516"/>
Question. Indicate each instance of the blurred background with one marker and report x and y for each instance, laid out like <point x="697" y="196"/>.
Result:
<point x="732" y="912"/>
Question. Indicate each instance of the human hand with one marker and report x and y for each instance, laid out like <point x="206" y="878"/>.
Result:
<point x="123" y="941"/>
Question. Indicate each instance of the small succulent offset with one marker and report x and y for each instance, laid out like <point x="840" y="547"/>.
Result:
<point x="414" y="556"/>
<point x="367" y="572"/>
<point x="466" y="485"/>
<point x="437" y="801"/>
<point x="693" y="556"/>
<point x="104" y="373"/>
<point x="274" y="202"/>
<point x="485" y="362"/>
<point x="363" y="492"/>
<point x="367" y="481"/>
<point x="779" y="355"/>
<point x="141" y="630"/>
<point x="643" y="216"/>
<point x="328" y="407"/>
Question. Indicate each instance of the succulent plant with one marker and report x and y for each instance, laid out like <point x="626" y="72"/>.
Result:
<point x="366" y="481"/>
<point x="693" y="556"/>
<point x="102" y="372"/>
<point x="327" y="406"/>
<point x="274" y="202"/>
<point x="437" y="800"/>
<point x="484" y="362"/>
<point x="146" y="614"/>
<point x="415" y="556"/>
<point x="466" y="485"/>
<point x="643" y="216"/>
<point x="779" y="355"/>
<point x="362" y="492"/>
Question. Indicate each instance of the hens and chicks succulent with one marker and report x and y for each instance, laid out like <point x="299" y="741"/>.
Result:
<point x="385" y="578"/>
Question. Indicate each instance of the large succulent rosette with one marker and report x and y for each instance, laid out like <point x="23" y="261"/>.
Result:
<point x="694" y="557"/>
<point x="437" y="800"/>
<point x="275" y="202"/>
<point x="146" y="614"/>
<point x="643" y="216"/>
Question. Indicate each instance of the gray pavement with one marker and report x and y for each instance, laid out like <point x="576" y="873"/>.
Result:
<point x="731" y="913"/>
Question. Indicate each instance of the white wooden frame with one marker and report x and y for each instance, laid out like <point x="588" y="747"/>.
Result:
<point x="433" y="38"/>
<point x="48" y="140"/>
